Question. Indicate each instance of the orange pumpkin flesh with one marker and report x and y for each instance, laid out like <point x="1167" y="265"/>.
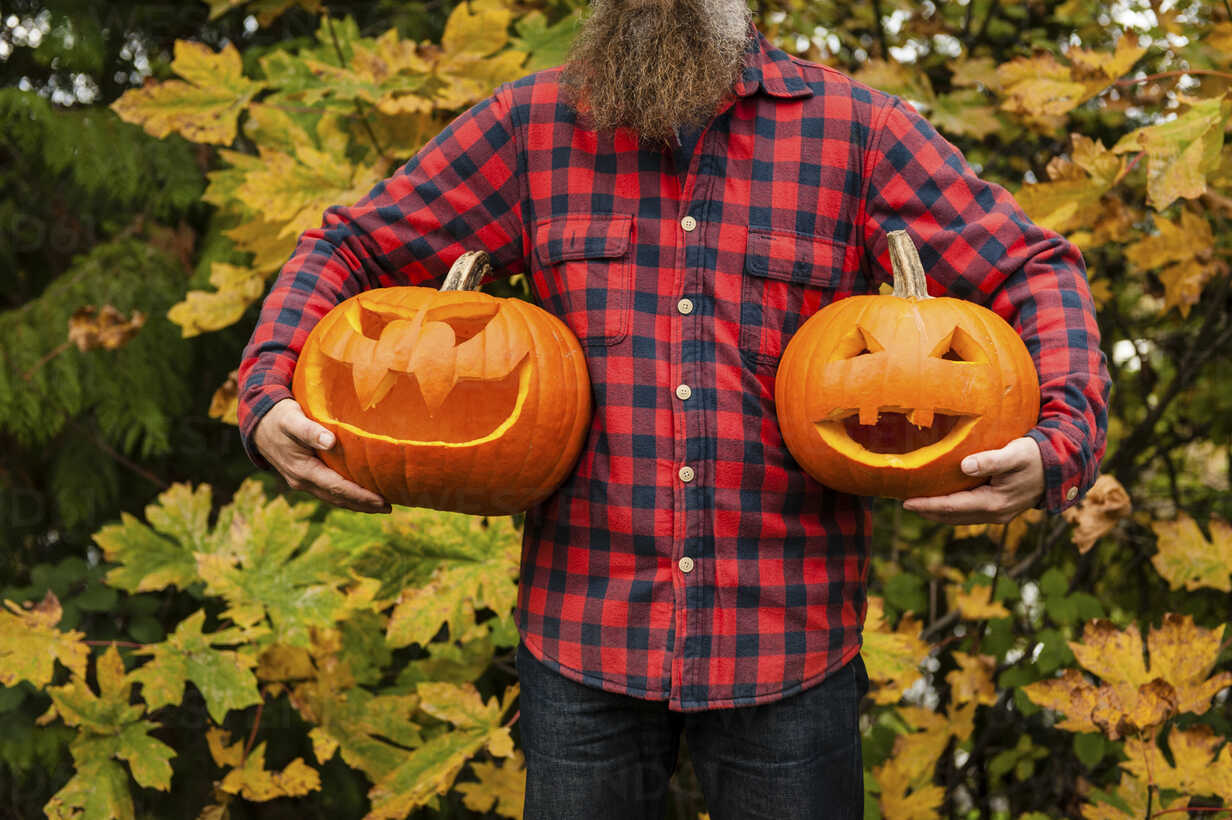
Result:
<point x="885" y="395"/>
<point x="454" y="400"/>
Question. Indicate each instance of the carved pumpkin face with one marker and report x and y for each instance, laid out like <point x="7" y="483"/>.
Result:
<point x="882" y="395"/>
<point x="455" y="400"/>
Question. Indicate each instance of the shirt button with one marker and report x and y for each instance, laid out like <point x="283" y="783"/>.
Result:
<point x="685" y="564"/>
<point x="689" y="224"/>
<point x="683" y="392"/>
<point x="685" y="306"/>
<point x="1071" y="494"/>
<point x="686" y="474"/>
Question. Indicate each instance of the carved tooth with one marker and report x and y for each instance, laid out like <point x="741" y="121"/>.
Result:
<point x="921" y="418"/>
<point x="868" y="415"/>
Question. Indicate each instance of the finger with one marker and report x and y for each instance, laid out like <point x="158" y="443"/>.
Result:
<point x="988" y="463"/>
<point x="313" y="476"/>
<point x="306" y="431"/>
<point x="979" y="499"/>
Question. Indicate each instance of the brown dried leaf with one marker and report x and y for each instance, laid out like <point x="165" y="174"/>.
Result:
<point x="1104" y="505"/>
<point x="90" y="328"/>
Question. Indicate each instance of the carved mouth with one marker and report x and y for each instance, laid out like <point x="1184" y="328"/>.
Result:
<point x="896" y="437"/>
<point x="472" y="413"/>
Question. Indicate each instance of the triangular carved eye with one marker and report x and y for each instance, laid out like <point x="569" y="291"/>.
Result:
<point x="959" y="346"/>
<point x="467" y="319"/>
<point x="859" y="342"/>
<point x="369" y="322"/>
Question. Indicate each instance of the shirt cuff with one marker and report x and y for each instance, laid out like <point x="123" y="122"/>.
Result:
<point x="1063" y="485"/>
<point x="261" y="404"/>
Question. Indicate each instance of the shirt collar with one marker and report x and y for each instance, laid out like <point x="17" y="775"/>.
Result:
<point x="769" y="68"/>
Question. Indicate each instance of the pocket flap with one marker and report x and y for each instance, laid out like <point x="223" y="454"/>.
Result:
<point x="582" y="237"/>
<point x="793" y="257"/>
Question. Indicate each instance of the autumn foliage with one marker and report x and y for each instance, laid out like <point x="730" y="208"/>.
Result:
<point x="181" y="637"/>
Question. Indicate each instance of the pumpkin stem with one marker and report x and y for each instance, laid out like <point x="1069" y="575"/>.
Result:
<point x="909" y="282"/>
<point x="468" y="271"/>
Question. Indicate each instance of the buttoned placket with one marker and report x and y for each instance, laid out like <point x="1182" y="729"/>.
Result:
<point x="689" y="419"/>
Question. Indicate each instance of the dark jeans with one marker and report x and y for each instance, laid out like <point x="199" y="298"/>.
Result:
<point x="594" y="755"/>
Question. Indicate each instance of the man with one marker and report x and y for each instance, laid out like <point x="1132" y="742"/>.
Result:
<point x="683" y="195"/>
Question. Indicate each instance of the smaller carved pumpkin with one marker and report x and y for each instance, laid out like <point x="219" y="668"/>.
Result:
<point x="885" y="395"/>
<point x="450" y="399"/>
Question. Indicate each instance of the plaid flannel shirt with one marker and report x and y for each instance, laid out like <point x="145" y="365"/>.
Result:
<point x="688" y="558"/>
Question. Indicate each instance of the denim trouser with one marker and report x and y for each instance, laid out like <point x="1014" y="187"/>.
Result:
<point x="595" y="755"/>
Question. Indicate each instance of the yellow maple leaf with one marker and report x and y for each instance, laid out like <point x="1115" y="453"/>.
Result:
<point x="1178" y="241"/>
<point x="501" y="789"/>
<point x="1010" y="535"/>
<point x="1197" y="772"/>
<point x="976" y="604"/>
<point x="203" y="310"/>
<point x="975" y="71"/>
<point x="972" y="680"/>
<point x="1041" y="86"/>
<point x="1107" y="66"/>
<point x="896" y="78"/>
<point x="253" y="781"/>
<point x="479" y="27"/>
<point x="1184" y="655"/>
<point x="1114" y="655"/>
<point x="891" y="657"/>
<point x="1099" y="511"/>
<point x="224" y="405"/>
<point x="1186" y="559"/>
<point x="1183" y="283"/>
<point x="1134" y="698"/>
<point x="1182" y="152"/>
<point x="30" y="643"/>
<point x="1100" y="163"/>
<point x="203" y="106"/>
<point x="1062" y="205"/>
<point x="907" y="790"/>
<point x="224" y="754"/>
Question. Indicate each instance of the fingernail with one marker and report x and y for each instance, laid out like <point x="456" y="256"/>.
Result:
<point x="326" y="440"/>
<point x="970" y="465"/>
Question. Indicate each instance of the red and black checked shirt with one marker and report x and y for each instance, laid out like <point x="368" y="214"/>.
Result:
<point x="688" y="558"/>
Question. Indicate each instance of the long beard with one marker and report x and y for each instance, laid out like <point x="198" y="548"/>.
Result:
<point x="656" y="66"/>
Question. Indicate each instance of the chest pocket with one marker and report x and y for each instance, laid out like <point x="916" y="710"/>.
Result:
<point x="787" y="278"/>
<point x="584" y="274"/>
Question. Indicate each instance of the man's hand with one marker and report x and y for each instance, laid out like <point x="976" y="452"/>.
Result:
<point x="1015" y="476"/>
<point x="289" y="440"/>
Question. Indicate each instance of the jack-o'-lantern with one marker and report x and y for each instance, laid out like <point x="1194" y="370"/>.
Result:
<point x="885" y="395"/>
<point x="451" y="399"/>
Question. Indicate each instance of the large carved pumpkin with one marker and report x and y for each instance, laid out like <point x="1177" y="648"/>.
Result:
<point x="450" y="399"/>
<point x="885" y="395"/>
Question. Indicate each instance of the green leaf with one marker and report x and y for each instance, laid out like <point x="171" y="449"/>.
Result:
<point x="431" y="769"/>
<point x="548" y="46"/>
<point x="446" y="565"/>
<point x="223" y="677"/>
<point x="98" y="791"/>
<point x="1090" y="748"/>
<point x="263" y="574"/>
<point x="153" y="558"/>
